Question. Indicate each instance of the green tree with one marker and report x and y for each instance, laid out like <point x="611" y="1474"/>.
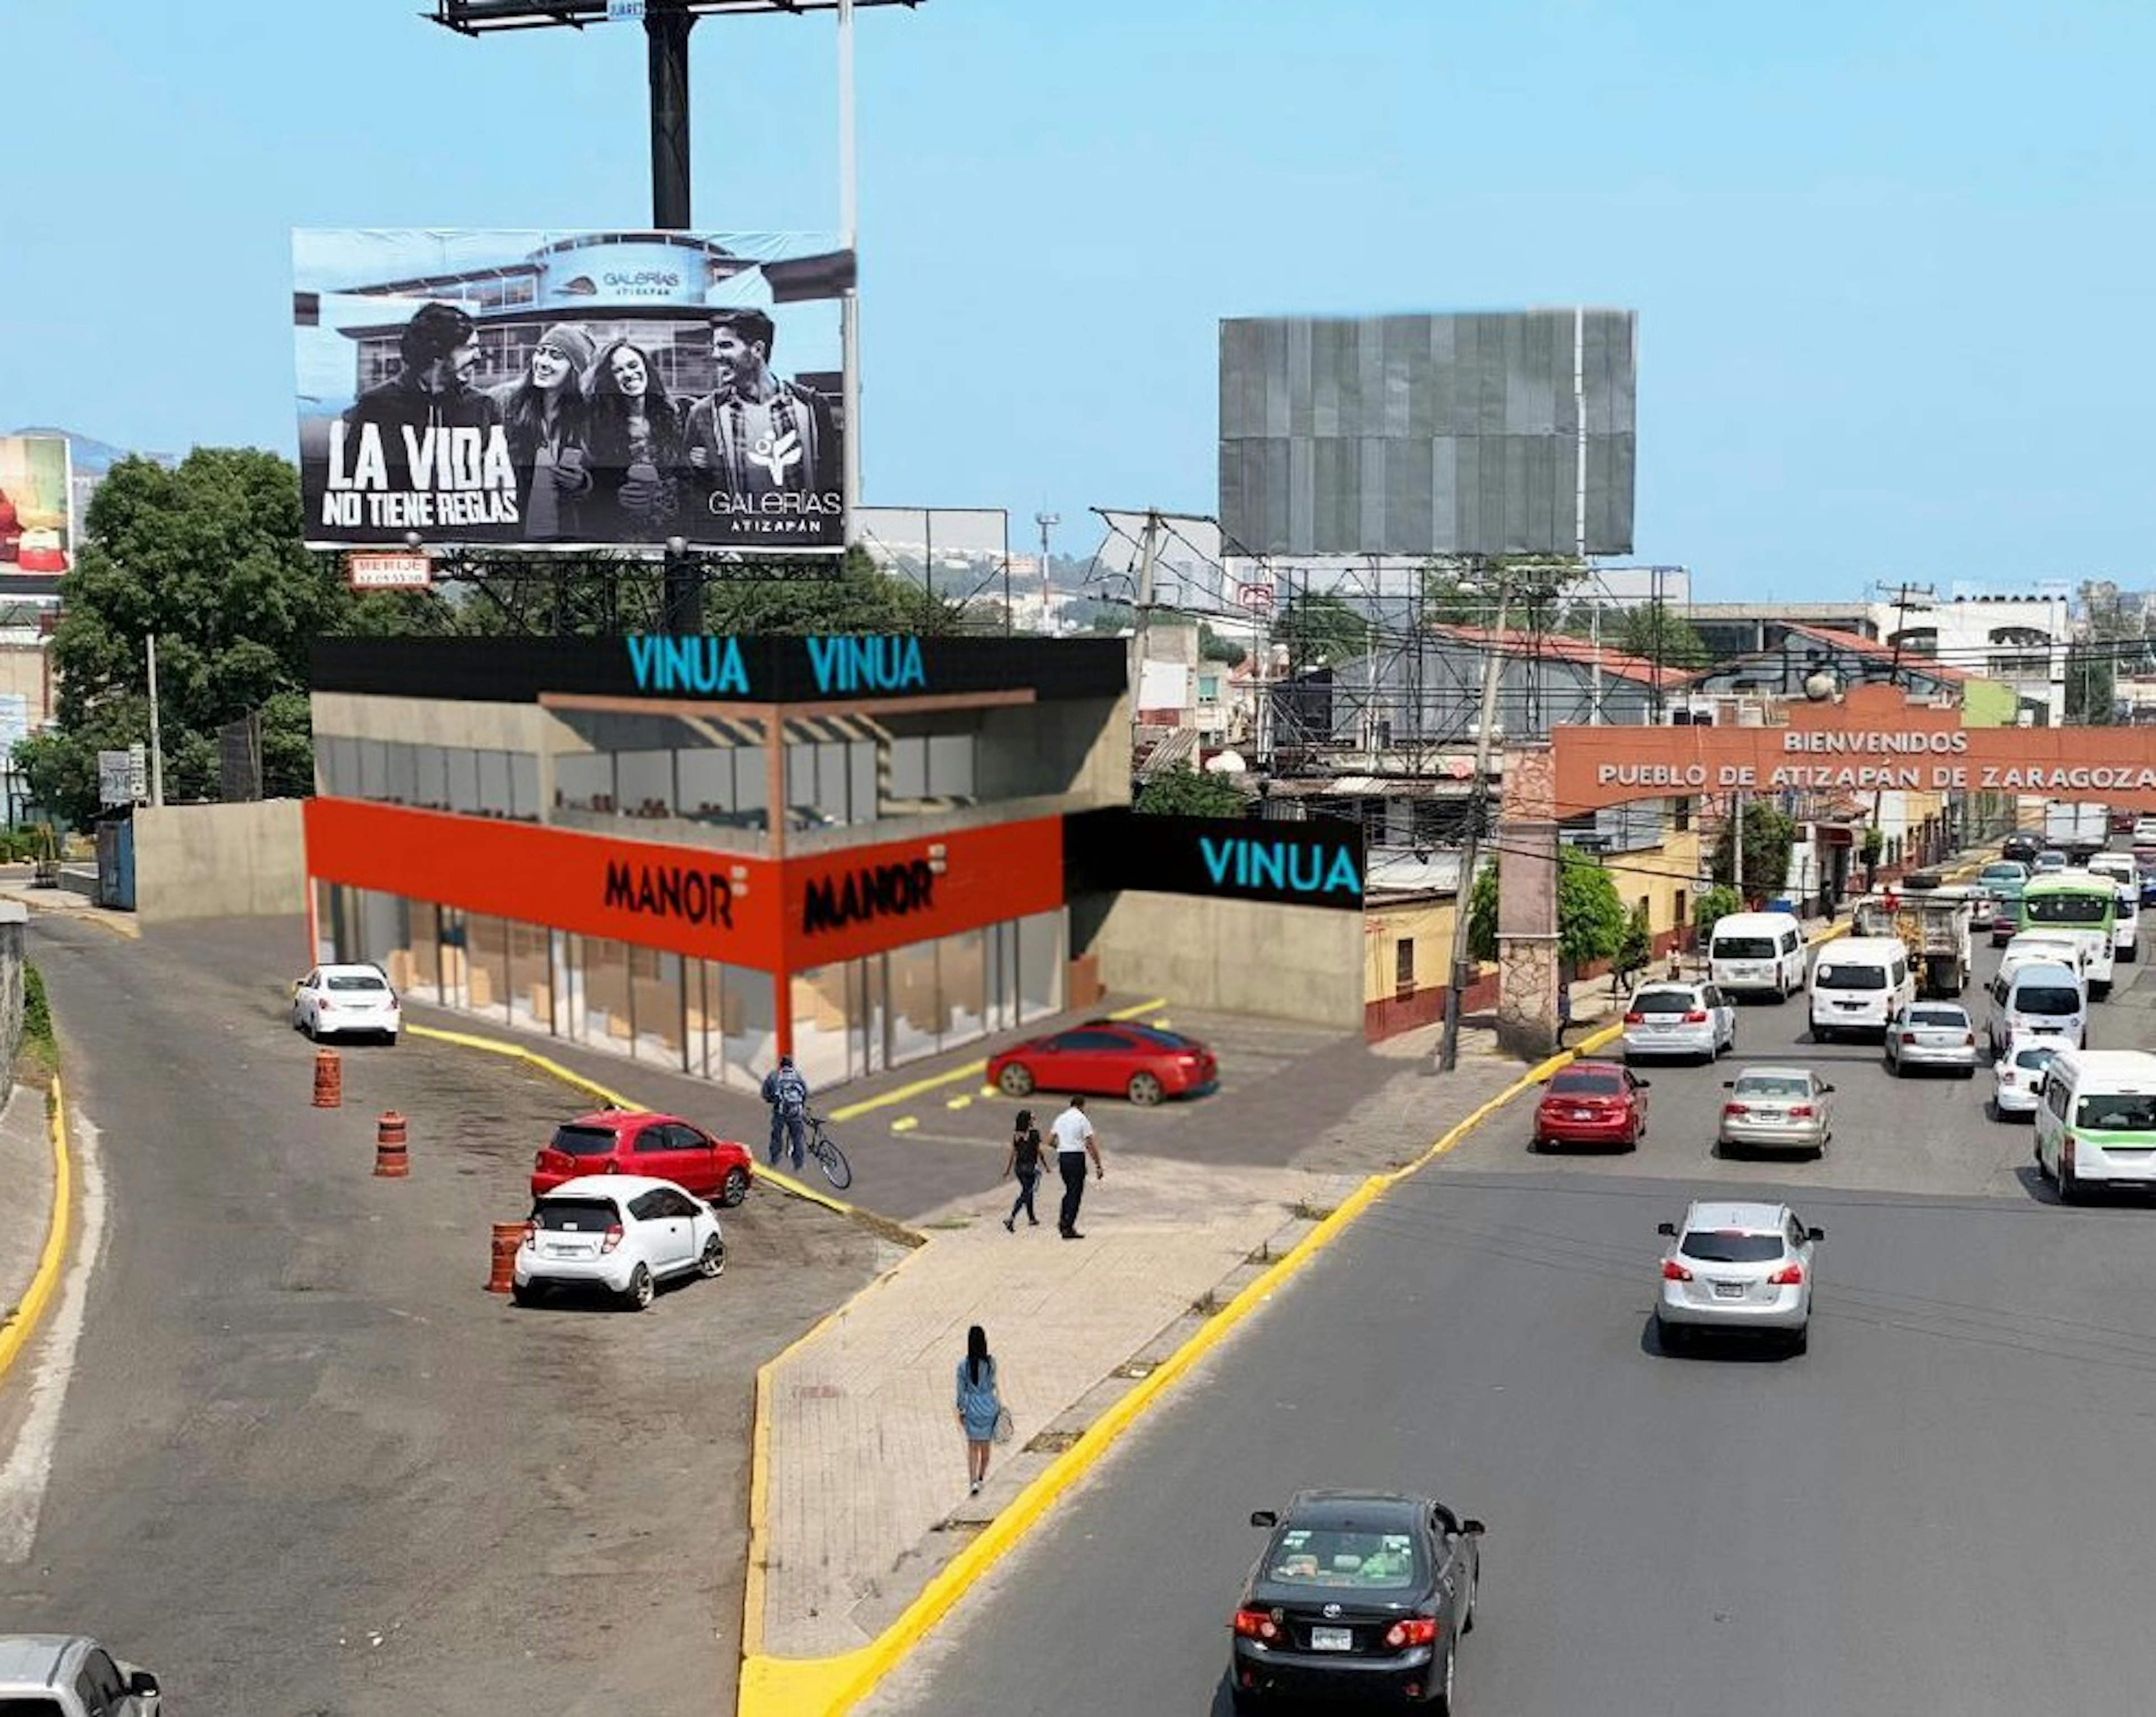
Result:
<point x="1184" y="792"/>
<point x="1769" y="837"/>
<point x="1636" y="946"/>
<point x="1653" y="632"/>
<point x="1321" y="631"/>
<point x="206" y="555"/>
<point x="860" y="599"/>
<point x="1590" y="916"/>
<point x="1213" y="647"/>
<point x="1713" y="905"/>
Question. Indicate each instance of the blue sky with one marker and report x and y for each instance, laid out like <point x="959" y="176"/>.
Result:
<point x="1890" y="260"/>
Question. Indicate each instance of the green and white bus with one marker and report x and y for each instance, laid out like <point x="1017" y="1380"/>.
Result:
<point x="2096" y="1120"/>
<point x="2086" y="906"/>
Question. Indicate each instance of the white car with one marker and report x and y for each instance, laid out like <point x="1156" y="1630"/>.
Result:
<point x="1667" y="1018"/>
<point x="625" y="1233"/>
<point x="2144" y="831"/>
<point x="1737" y="1267"/>
<point x="2017" y="1077"/>
<point x="344" y="1001"/>
<point x="70" y="1675"/>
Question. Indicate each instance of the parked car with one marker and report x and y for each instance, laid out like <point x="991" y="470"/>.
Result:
<point x="72" y="1675"/>
<point x="1109" y="1057"/>
<point x="1777" y="1109"/>
<point x="637" y="1142"/>
<point x="625" y="1233"/>
<point x="347" y="1001"/>
<point x="1934" y="1034"/>
<point x="2017" y="1077"/>
<point x="1666" y="1019"/>
<point x="1362" y="1592"/>
<point x="1592" y="1103"/>
<point x="1737" y="1267"/>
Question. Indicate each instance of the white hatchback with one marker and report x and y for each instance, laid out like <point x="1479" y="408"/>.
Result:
<point x="1679" y="1019"/>
<point x="344" y="1001"/>
<point x="1738" y="1267"/>
<point x="2017" y="1077"/>
<point x="625" y="1233"/>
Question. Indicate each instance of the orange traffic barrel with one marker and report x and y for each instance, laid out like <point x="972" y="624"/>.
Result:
<point x="328" y="1080"/>
<point x="390" y="1160"/>
<point x="507" y="1238"/>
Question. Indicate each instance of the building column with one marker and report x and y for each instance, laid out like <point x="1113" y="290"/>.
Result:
<point x="1526" y="902"/>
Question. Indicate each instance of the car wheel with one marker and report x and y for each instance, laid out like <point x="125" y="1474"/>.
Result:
<point x="1467" y="1610"/>
<point x="2070" y="1187"/>
<point x="1241" y="1700"/>
<point x="1016" y="1080"/>
<point x="712" y="1261"/>
<point x="1672" y="1338"/>
<point x="1822" y="1034"/>
<point x="736" y="1188"/>
<point x="524" y="1293"/>
<point x="642" y="1289"/>
<point x="306" y="1030"/>
<point x="1800" y="1338"/>
<point x="1443" y="1704"/>
<point x="1145" y="1090"/>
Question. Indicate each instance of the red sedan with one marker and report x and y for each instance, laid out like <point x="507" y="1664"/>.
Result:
<point x="637" y="1142"/>
<point x="1592" y="1103"/>
<point x="1110" y="1057"/>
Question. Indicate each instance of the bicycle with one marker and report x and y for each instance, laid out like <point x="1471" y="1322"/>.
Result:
<point x="829" y="1157"/>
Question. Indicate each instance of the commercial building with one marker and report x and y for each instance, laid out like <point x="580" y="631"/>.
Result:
<point x="706" y="851"/>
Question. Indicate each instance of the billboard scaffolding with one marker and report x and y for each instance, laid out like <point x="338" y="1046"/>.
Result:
<point x="959" y="554"/>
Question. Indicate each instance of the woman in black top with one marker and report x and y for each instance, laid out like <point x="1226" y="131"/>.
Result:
<point x="1024" y="1162"/>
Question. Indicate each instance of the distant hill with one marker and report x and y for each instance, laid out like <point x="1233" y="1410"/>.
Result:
<point x="92" y="458"/>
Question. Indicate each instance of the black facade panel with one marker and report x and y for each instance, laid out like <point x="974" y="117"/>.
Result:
<point x="1250" y="858"/>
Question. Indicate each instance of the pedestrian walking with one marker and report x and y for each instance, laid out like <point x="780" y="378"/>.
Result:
<point x="978" y="1406"/>
<point x="1563" y="1004"/>
<point x="1024" y="1162"/>
<point x="1075" y="1141"/>
<point x="788" y="1094"/>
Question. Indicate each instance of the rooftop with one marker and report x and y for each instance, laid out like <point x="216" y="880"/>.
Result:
<point x="1564" y="648"/>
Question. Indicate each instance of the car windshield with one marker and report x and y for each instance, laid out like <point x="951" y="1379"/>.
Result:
<point x="1850" y="977"/>
<point x="574" y="1141"/>
<point x="1939" y="1016"/>
<point x="1714" y="1246"/>
<point x="1744" y="947"/>
<point x="1331" y="1556"/>
<point x="355" y="980"/>
<point x="577" y="1215"/>
<point x="2067" y="908"/>
<point x="1774" y="1085"/>
<point x="2052" y="1001"/>
<point x="2116" y="1112"/>
<point x="1587" y="1082"/>
<point x="1664" y="1001"/>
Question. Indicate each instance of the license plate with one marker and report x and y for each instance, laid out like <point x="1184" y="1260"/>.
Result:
<point x="1851" y="1007"/>
<point x="1729" y="1290"/>
<point x="1583" y="1115"/>
<point x="1332" y="1639"/>
<point x="568" y="1251"/>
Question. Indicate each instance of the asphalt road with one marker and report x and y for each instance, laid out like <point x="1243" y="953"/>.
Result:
<point x="1939" y="1510"/>
<point x="305" y="1463"/>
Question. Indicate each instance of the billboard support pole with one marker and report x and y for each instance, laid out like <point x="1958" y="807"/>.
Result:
<point x="666" y="33"/>
<point x="156" y="735"/>
<point x="850" y="304"/>
<point x="1456" y="998"/>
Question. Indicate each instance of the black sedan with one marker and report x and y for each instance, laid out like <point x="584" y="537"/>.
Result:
<point x="1360" y="1593"/>
<point x="2021" y="845"/>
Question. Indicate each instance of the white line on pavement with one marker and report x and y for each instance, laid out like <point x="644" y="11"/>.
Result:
<point x="29" y="1466"/>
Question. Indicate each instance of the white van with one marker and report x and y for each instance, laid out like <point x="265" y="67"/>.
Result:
<point x="1858" y="985"/>
<point x="2039" y="1002"/>
<point x="2043" y="947"/>
<point x="2126" y="927"/>
<point x="2096" y="1120"/>
<point x="1756" y="953"/>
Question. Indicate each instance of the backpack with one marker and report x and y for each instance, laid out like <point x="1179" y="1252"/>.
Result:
<point x="791" y="1092"/>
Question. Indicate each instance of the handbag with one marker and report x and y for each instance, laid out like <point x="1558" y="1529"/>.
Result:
<point x="1006" y="1427"/>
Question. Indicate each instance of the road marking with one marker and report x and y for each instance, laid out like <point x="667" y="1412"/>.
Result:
<point x="956" y="1103"/>
<point x="905" y="1123"/>
<point x="29" y="1466"/>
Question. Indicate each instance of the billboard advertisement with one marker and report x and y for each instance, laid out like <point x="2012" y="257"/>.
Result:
<point x="37" y="488"/>
<point x="549" y="390"/>
<point x="1428" y="435"/>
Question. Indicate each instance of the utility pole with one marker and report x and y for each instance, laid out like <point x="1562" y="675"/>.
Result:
<point x="1456" y="998"/>
<point x="1047" y="522"/>
<point x="1148" y="554"/>
<point x="156" y="732"/>
<point x="1737" y="846"/>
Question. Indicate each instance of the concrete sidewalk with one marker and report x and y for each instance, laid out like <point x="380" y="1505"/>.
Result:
<point x="26" y="1170"/>
<point x="15" y="885"/>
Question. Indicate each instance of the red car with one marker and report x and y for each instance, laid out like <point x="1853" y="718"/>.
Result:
<point x="1592" y="1103"/>
<point x="637" y="1142"/>
<point x="1111" y="1057"/>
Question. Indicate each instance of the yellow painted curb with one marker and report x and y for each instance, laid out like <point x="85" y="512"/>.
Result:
<point x="52" y="1259"/>
<point x="827" y="1687"/>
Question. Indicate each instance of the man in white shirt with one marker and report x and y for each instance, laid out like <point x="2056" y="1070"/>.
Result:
<point x="1075" y="1141"/>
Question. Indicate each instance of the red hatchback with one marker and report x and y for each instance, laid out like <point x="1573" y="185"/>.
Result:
<point x="1592" y="1103"/>
<point x="1109" y="1057"/>
<point x="637" y="1142"/>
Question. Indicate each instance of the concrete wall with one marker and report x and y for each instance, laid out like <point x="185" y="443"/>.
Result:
<point x="13" y="920"/>
<point x="1291" y="962"/>
<point x="219" y="860"/>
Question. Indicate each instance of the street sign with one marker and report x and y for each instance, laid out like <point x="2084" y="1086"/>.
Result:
<point x="1258" y="598"/>
<point x="624" y="11"/>
<point x="388" y="572"/>
<point x="138" y="773"/>
<point x="113" y="782"/>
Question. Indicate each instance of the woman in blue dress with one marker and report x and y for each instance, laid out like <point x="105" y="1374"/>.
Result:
<point x="978" y="1406"/>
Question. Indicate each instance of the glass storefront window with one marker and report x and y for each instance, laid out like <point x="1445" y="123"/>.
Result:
<point x="530" y="992"/>
<point x="644" y="783"/>
<point x="951" y="766"/>
<point x="821" y="1025"/>
<point x="915" y="1008"/>
<point x="494" y="794"/>
<point x="424" y="979"/>
<point x="326" y="936"/>
<point x="583" y="781"/>
<point x="463" y="780"/>
<point x="607" y="1021"/>
<point x="1041" y="964"/>
<point x="962" y="980"/>
<point x="750" y="1026"/>
<point x="430" y="777"/>
<point x="374" y="769"/>
<point x="524" y="787"/>
<point x="655" y="979"/>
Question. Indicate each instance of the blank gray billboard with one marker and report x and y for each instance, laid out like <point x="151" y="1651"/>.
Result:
<point x="1425" y="434"/>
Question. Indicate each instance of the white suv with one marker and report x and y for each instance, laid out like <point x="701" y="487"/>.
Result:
<point x="69" y="1675"/>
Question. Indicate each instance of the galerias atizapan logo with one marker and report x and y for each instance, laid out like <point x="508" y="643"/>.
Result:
<point x="778" y="454"/>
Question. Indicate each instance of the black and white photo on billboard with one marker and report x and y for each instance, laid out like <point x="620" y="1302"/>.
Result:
<point x="597" y="390"/>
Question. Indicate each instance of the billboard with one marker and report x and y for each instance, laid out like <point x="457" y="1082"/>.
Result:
<point x="1427" y="435"/>
<point x="37" y="490"/>
<point x="549" y="390"/>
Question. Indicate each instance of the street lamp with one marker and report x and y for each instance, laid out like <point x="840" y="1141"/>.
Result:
<point x="1047" y="522"/>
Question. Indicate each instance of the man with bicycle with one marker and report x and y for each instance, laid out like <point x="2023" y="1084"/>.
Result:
<point x="788" y="1094"/>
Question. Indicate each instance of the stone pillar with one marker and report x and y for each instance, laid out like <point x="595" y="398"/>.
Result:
<point x="1526" y="902"/>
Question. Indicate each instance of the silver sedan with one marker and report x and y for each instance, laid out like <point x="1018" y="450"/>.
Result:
<point x="1934" y="1034"/>
<point x="1777" y="1109"/>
